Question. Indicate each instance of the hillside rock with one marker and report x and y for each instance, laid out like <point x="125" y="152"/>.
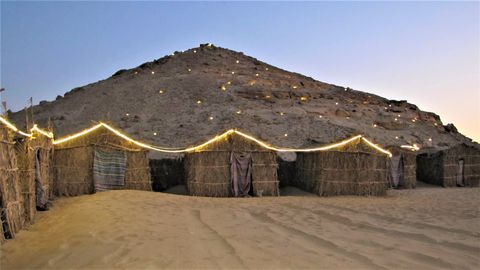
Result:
<point x="188" y="97"/>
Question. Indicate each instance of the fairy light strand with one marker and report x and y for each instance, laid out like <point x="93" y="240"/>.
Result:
<point x="189" y="149"/>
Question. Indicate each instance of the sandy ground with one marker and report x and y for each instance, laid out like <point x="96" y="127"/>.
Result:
<point x="425" y="228"/>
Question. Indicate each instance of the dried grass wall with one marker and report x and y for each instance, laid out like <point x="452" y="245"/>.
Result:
<point x="441" y="167"/>
<point x="208" y="171"/>
<point x="12" y="216"/>
<point x="470" y="156"/>
<point x="350" y="170"/>
<point x="73" y="163"/>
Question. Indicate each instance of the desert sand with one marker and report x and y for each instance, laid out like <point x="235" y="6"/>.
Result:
<point x="426" y="228"/>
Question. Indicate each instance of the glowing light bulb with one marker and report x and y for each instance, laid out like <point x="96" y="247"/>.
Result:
<point x="294" y="87"/>
<point x="396" y="119"/>
<point x="154" y="133"/>
<point x="398" y="115"/>
<point x="435" y="124"/>
<point x="267" y="96"/>
<point x="303" y="98"/>
<point x="346" y="89"/>
<point x="320" y="116"/>
<point x="127" y="114"/>
<point x="414" y="120"/>
<point x="281" y="113"/>
<point x="229" y="83"/>
<point x="266" y="69"/>
<point x="385" y="108"/>
<point x="336" y="103"/>
<point x="194" y="51"/>
<point x="239" y="112"/>
<point x="224" y="88"/>
<point x="389" y="105"/>
<point x="153" y="72"/>
<point x="189" y="70"/>
<point x="136" y="72"/>
<point x="211" y="118"/>
<point x="161" y="91"/>
<point x="374" y="125"/>
<point x="199" y="102"/>
<point x="256" y="74"/>
<point x="396" y="137"/>
<point x="286" y="135"/>
<point x="237" y="61"/>
<point x="429" y="139"/>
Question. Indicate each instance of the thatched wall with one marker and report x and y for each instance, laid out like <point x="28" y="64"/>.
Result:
<point x="351" y="170"/>
<point x="73" y="163"/>
<point x="208" y="171"/>
<point x="167" y="173"/>
<point x="409" y="159"/>
<point x="12" y="216"/>
<point x="441" y="168"/>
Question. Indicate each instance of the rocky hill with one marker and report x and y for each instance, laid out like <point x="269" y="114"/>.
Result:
<point x="187" y="97"/>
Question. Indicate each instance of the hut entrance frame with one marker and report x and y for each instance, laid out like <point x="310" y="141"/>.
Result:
<point x="460" y="173"/>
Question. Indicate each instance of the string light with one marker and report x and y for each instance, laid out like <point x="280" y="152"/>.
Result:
<point x="303" y="98"/>
<point x="256" y="74"/>
<point x="286" y="135"/>
<point x="189" y="70"/>
<point x="229" y="82"/>
<point x="210" y="118"/>
<point x="161" y="91"/>
<point x="216" y="138"/>
<point x="43" y="132"/>
<point x="374" y="125"/>
<point x="282" y="113"/>
<point x="413" y="147"/>
<point x="224" y="88"/>
<point x="336" y="103"/>
<point x="396" y="119"/>
<point x="127" y="114"/>
<point x="294" y="87"/>
<point x="267" y="96"/>
<point x="429" y="139"/>
<point x="154" y="133"/>
<point x="233" y="72"/>
<point x="320" y="116"/>
<point x="239" y="112"/>
<point x="153" y="72"/>
<point x="396" y="137"/>
<point x="14" y="128"/>
<point x="199" y="102"/>
<point x="237" y="61"/>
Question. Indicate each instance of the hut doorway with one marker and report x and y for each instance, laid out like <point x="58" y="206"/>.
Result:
<point x="241" y="174"/>
<point x="398" y="171"/>
<point x="40" y="194"/>
<point x="460" y="173"/>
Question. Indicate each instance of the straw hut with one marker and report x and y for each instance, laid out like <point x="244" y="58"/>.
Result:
<point x="99" y="160"/>
<point x="231" y="166"/>
<point x="351" y="169"/>
<point x="12" y="217"/>
<point x="455" y="166"/>
<point x="34" y="158"/>
<point x="403" y="168"/>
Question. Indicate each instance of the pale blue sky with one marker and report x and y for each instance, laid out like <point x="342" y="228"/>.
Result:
<point x="425" y="52"/>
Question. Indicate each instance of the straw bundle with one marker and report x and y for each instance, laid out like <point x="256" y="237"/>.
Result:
<point x="208" y="170"/>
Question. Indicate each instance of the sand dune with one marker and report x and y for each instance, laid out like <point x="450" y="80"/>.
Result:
<point x="425" y="228"/>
